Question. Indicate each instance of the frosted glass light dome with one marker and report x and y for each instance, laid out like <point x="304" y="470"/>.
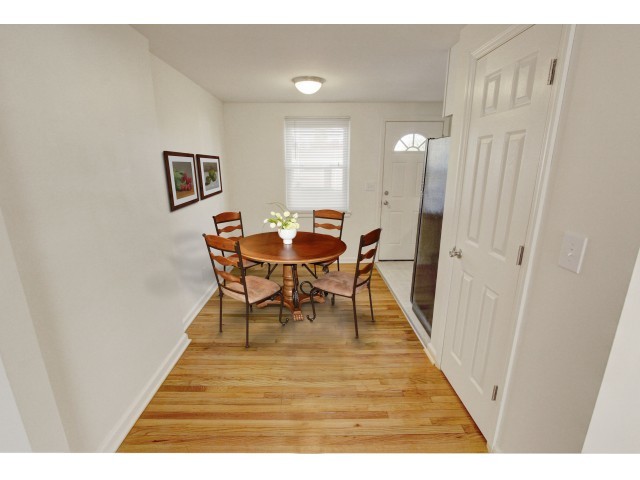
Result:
<point x="308" y="85"/>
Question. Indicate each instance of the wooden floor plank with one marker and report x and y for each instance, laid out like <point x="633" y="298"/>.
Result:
<point x="305" y="387"/>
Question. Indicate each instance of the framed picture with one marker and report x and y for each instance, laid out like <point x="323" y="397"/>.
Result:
<point x="181" y="179"/>
<point x="209" y="175"/>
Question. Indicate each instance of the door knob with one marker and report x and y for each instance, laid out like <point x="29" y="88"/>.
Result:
<point x="455" y="252"/>
<point x="385" y="202"/>
<point x="386" y="192"/>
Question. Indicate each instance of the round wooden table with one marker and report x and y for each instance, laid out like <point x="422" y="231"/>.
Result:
<point x="307" y="247"/>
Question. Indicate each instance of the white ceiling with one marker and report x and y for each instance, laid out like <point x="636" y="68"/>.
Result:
<point x="361" y="63"/>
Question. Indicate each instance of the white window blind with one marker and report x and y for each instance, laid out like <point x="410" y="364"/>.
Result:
<point x="316" y="162"/>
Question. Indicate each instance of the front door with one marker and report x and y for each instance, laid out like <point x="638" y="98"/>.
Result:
<point x="506" y="134"/>
<point x="404" y="157"/>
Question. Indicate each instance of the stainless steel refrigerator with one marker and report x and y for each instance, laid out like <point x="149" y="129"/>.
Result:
<point x="425" y="265"/>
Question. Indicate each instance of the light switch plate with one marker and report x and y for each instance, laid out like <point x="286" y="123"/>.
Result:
<point x="572" y="251"/>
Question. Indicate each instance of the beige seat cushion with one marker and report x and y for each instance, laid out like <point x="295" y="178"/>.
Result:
<point x="257" y="287"/>
<point x="340" y="283"/>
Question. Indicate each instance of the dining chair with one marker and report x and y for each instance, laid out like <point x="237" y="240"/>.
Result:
<point x="227" y="223"/>
<point x="249" y="289"/>
<point x="345" y="284"/>
<point x="336" y="222"/>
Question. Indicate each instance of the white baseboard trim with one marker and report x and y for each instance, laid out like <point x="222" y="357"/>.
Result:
<point x="433" y="355"/>
<point x="122" y="428"/>
<point x="193" y="313"/>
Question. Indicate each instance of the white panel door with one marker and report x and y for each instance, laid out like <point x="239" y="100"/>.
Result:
<point x="508" y="119"/>
<point x="402" y="186"/>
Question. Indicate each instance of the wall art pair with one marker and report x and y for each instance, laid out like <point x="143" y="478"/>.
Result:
<point x="190" y="175"/>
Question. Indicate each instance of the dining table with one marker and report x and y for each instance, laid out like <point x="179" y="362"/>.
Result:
<point x="306" y="248"/>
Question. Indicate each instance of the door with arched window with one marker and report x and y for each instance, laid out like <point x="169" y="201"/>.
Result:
<point x="404" y="158"/>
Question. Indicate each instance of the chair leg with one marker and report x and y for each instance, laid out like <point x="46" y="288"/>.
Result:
<point x="221" y="295"/>
<point x="246" y="313"/>
<point x="333" y="299"/>
<point x="314" y="273"/>
<point x="281" y="305"/>
<point x="270" y="270"/>
<point x="370" y="302"/>
<point x="355" y="315"/>
<point x="313" y="304"/>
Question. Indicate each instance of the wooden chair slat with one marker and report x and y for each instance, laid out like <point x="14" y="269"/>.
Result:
<point x="230" y="228"/>
<point x="371" y="237"/>
<point x="370" y="254"/>
<point x="229" y="277"/>
<point x="226" y="217"/>
<point x="332" y="214"/>
<point x="365" y="269"/>
<point x="328" y="226"/>
<point x="225" y="261"/>
<point x="220" y="243"/>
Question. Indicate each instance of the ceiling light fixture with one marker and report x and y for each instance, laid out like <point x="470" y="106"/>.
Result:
<point x="308" y="85"/>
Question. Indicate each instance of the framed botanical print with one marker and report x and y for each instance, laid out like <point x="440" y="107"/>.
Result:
<point x="209" y="177"/>
<point x="181" y="180"/>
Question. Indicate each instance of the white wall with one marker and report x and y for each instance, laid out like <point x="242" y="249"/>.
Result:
<point x="255" y="148"/>
<point x="109" y="274"/>
<point x="23" y="362"/>
<point x="615" y="424"/>
<point x="13" y="434"/>
<point x="570" y="320"/>
<point x="190" y="120"/>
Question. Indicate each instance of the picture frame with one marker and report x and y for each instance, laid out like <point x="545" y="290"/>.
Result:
<point x="209" y="175"/>
<point x="181" y="179"/>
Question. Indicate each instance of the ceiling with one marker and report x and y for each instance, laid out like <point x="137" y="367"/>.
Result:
<point x="361" y="63"/>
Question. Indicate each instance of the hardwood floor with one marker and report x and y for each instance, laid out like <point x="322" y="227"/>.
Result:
<point x="305" y="387"/>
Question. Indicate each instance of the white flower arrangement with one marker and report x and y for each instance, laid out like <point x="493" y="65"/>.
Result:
<point x="285" y="220"/>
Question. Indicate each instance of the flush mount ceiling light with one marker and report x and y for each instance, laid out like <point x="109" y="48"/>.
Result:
<point x="308" y="85"/>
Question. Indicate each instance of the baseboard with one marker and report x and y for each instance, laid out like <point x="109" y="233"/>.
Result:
<point x="193" y="313"/>
<point x="432" y="354"/>
<point x="495" y="449"/>
<point x="122" y="428"/>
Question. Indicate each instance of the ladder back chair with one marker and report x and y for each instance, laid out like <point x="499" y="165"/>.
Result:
<point x="334" y="228"/>
<point x="227" y="223"/>
<point x="346" y="284"/>
<point x="249" y="289"/>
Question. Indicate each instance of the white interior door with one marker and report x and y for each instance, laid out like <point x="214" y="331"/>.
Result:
<point x="506" y="134"/>
<point x="404" y="157"/>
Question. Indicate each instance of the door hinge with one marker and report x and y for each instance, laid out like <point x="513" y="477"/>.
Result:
<point x="494" y="395"/>
<point x="552" y="71"/>
<point x="520" y="255"/>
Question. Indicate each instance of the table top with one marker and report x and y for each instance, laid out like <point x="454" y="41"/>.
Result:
<point x="307" y="247"/>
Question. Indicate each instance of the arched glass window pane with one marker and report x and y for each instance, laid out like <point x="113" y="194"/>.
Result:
<point x="413" y="142"/>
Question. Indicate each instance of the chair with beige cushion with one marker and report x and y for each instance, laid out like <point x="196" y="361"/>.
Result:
<point x="346" y="284"/>
<point x="227" y="224"/>
<point x="333" y="227"/>
<point x="245" y="288"/>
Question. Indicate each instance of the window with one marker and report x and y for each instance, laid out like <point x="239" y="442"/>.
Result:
<point x="414" y="142"/>
<point x="316" y="158"/>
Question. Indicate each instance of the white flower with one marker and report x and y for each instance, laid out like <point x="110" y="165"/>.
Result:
<point x="265" y="220"/>
<point x="278" y="216"/>
<point x="272" y="213"/>
<point x="279" y="224"/>
<point x="272" y="225"/>
<point x="295" y="215"/>
<point x="286" y="214"/>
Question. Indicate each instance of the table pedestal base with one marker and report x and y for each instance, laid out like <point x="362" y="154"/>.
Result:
<point x="292" y="298"/>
